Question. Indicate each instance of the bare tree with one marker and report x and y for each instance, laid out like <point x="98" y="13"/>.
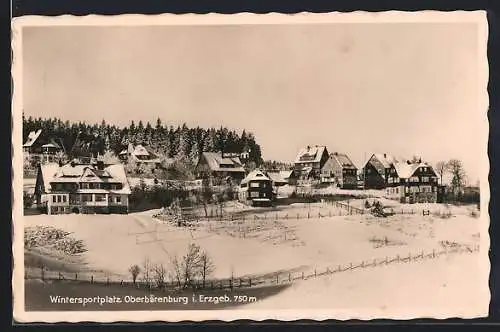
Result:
<point x="207" y="267"/>
<point x="147" y="272"/>
<point x="134" y="271"/>
<point x="458" y="180"/>
<point x="190" y="264"/>
<point x="441" y="168"/>
<point x="160" y="272"/>
<point x="177" y="270"/>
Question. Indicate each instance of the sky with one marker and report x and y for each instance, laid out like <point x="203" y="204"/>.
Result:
<point x="400" y="88"/>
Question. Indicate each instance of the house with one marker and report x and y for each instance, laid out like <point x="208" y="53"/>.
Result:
<point x="339" y="169"/>
<point x="412" y="182"/>
<point x="39" y="149"/>
<point x="256" y="189"/>
<point x="82" y="188"/>
<point x="376" y="171"/>
<point x="309" y="162"/>
<point x="140" y="155"/>
<point x="219" y="166"/>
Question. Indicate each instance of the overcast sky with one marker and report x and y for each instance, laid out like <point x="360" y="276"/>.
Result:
<point x="404" y="89"/>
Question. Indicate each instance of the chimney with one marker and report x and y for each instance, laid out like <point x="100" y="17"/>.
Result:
<point x="100" y="164"/>
<point x="308" y="148"/>
<point x="385" y="155"/>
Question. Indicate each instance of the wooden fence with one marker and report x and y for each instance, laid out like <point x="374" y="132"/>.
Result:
<point x="245" y="282"/>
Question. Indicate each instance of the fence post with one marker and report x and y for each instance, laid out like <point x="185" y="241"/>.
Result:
<point x="350" y="266"/>
<point x="302" y="275"/>
<point x="76" y="276"/>
<point x="307" y="215"/>
<point x="42" y="273"/>
<point x="231" y="283"/>
<point x="60" y="276"/>
<point x="289" y="277"/>
<point x="221" y="285"/>
<point x="92" y="279"/>
<point x="107" y="281"/>
<point x="315" y="272"/>
<point x="339" y="268"/>
<point x="362" y="263"/>
<point x="297" y="216"/>
<point x="397" y="258"/>
<point x="433" y="253"/>
<point x="422" y="254"/>
<point x="249" y="282"/>
<point x="277" y="278"/>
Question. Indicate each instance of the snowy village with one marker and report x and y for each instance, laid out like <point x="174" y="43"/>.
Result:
<point x="152" y="198"/>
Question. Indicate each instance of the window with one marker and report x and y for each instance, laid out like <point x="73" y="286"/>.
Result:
<point x="59" y="199"/>
<point x="425" y="179"/>
<point x="87" y="198"/>
<point x="254" y="194"/>
<point x="390" y="180"/>
<point x="254" y="185"/>
<point x="84" y="185"/>
<point x="100" y="198"/>
<point x="397" y="190"/>
<point x="118" y="199"/>
<point x="64" y="199"/>
<point x="54" y="199"/>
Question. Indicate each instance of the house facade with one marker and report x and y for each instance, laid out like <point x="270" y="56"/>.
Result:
<point x="38" y="149"/>
<point x="256" y="189"/>
<point x="82" y="188"/>
<point x="340" y="170"/>
<point x="412" y="182"/>
<point x="376" y="171"/>
<point x="309" y="163"/>
<point x="220" y="167"/>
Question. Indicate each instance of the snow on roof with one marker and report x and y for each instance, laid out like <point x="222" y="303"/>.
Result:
<point x="117" y="171"/>
<point x="343" y="160"/>
<point x="50" y="145"/>
<point x="51" y="172"/>
<point x="217" y="163"/>
<point x="32" y="137"/>
<point x="48" y="171"/>
<point x="285" y="174"/>
<point x="276" y="177"/>
<point x="255" y="175"/>
<point x="310" y="154"/>
<point x="140" y="151"/>
<point x="385" y="159"/>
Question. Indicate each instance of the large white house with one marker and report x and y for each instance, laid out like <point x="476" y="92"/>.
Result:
<point x="82" y="188"/>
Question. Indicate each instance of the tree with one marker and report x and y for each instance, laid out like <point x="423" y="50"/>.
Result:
<point x="134" y="271"/>
<point x="441" y="168"/>
<point x="191" y="263"/>
<point x="147" y="272"/>
<point x="458" y="176"/>
<point x="159" y="275"/>
<point x="207" y="267"/>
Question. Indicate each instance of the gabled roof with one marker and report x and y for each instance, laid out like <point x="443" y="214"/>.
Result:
<point x="216" y="162"/>
<point x="343" y="160"/>
<point x="385" y="159"/>
<point x="310" y="154"/>
<point x="255" y="175"/>
<point x="276" y="177"/>
<point x="32" y="137"/>
<point x="406" y="170"/>
<point x="75" y="173"/>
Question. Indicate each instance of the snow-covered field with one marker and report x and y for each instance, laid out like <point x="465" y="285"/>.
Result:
<point x="452" y="285"/>
<point x="258" y="246"/>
